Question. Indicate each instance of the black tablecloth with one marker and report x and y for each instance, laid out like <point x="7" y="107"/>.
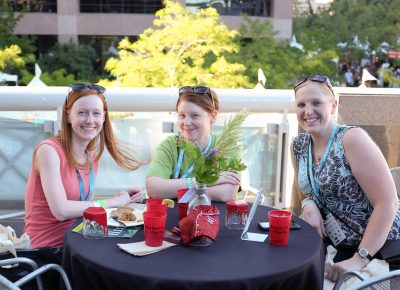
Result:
<point x="228" y="264"/>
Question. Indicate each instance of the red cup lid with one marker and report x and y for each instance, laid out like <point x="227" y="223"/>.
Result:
<point x="237" y="206"/>
<point x="97" y="214"/>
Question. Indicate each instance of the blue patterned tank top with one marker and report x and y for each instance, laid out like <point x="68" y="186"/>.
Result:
<point x="340" y="193"/>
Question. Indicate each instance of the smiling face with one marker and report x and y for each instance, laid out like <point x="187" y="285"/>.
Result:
<point x="315" y="107"/>
<point x="194" y="122"/>
<point x="86" y="118"/>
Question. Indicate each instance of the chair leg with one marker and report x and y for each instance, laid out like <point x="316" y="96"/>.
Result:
<point x="42" y="270"/>
<point x="23" y="260"/>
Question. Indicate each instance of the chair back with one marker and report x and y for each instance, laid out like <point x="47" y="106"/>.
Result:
<point x="389" y="280"/>
<point x="396" y="177"/>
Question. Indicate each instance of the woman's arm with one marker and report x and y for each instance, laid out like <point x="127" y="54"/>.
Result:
<point x="225" y="188"/>
<point x="48" y="166"/>
<point x="371" y="171"/>
<point x="310" y="211"/>
<point x="158" y="187"/>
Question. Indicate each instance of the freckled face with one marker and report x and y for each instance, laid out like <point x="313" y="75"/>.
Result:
<point x="315" y="107"/>
<point x="86" y="118"/>
<point x="194" y="122"/>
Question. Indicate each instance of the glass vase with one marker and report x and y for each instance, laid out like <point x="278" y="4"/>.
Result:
<point x="200" y="198"/>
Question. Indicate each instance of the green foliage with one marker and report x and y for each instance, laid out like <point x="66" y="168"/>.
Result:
<point x="17" y="58"/>
<point x="281" y="63"/>
<point x="207" y="166"/>
<point x="76" y="60"/>
<point x="58" y="78"/>
<point x="373" y="21"/>
<point x="10" y="57"/>
<point x="181" y="48"/>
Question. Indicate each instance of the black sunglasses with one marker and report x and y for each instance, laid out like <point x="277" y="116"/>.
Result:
<point x="80" y="87"/>
<point x="316" y="78"/>
<point x="202" y="90"/>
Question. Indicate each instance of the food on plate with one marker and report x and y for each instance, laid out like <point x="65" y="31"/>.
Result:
<point x="127" y="216"/>
<point x="123" y="213"/>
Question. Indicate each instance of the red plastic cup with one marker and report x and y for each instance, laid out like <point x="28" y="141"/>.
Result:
<point x="95" y="223"/>
<point x="154" y="227"/>
<point x="156" y="206"/>
<point x="153" y="201"/>
<point x="182" y="207"/>
<point x="279" y="227"/>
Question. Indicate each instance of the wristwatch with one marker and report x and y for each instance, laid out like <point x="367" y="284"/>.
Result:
<point x="364" y="253"/>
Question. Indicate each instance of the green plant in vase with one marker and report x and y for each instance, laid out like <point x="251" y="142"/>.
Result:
<point x="208" y="165"/>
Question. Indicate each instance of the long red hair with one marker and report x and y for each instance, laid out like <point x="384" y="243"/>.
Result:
<point x="106" y="137"/>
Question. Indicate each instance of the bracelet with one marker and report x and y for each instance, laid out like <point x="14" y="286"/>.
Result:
<point x="305" y="202"/>
<point x="102" y="203"/>
<point x="190" y="181"/>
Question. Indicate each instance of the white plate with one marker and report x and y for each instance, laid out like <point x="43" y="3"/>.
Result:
<point x="139" y="218"/>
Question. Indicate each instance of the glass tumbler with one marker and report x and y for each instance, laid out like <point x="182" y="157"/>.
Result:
<point x="236" y="214"/>
<point x="95" y="223"/>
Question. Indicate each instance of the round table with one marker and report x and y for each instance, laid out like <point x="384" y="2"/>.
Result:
<point x="230" y="263"/>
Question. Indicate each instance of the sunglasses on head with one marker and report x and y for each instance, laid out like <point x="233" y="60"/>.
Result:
<point x="80" y="87"/>
<point x="316" y="78"/>
<point x="202" y="90"/>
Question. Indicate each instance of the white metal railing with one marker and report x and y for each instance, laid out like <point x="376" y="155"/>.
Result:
<point x="163" y="100"/>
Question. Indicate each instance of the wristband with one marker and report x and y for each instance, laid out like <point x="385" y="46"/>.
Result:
<point x="102" y="203"/>
<point x="190" y="181"/>
<point x="305" y="202"/>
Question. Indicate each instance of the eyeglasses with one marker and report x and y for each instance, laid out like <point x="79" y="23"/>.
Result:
<point x="202" y="90"/>
<point x="316" y="78"/>
<point x="80" y="87"/>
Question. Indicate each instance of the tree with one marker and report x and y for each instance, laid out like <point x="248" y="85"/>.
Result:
<point x="372" y="21"/>
<point x="281" y="64"/>
<point x="10" y="57"/>
<point x="76" y="60"/>
<point x="182" y="48"/>
<point x="16" y="51"/>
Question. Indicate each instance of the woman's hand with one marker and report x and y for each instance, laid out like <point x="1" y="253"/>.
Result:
<point x="355" y="263"/>
<point x="312" y="215"/>
<point x="124" y="197"/>
<point x="136" y="194"/>
<point x="230" y="177"/>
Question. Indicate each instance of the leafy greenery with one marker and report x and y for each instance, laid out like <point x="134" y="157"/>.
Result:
<point x="16" y="52"/>
<point x="75" y="60"/>
<point x="208" y="165"/>
<point x="372" y="21"/>
<point x="181" y="48"/>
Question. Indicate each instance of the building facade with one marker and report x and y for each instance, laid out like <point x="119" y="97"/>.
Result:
<point x="71" y="20"/>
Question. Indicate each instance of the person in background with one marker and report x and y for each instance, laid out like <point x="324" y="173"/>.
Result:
<point x="171" y="168"/>
<point x="343" y="179"/>
<point x="62" y="178"/>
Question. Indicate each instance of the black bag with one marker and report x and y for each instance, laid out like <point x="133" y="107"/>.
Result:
<point x="41" y="256"/>
<point x="390" y="252"/>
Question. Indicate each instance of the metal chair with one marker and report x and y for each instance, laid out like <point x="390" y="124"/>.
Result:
<point x="396" y="177"/>
<point x="35" y="274"/>
<point x="385" y="281"/>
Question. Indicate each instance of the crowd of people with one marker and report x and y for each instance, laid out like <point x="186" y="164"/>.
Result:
<point x="329" y="161"/>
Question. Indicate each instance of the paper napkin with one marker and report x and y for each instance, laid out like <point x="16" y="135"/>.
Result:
<point x="140" y="248"/>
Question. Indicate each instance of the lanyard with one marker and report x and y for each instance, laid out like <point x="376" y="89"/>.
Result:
<point x="82" y="185"/>
<point x="314" y="184"/>
<point x="180" y="160"/>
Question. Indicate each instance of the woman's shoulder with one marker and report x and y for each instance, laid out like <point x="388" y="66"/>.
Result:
<point x="300" y="143"/>
<point x="53" y="143"/>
